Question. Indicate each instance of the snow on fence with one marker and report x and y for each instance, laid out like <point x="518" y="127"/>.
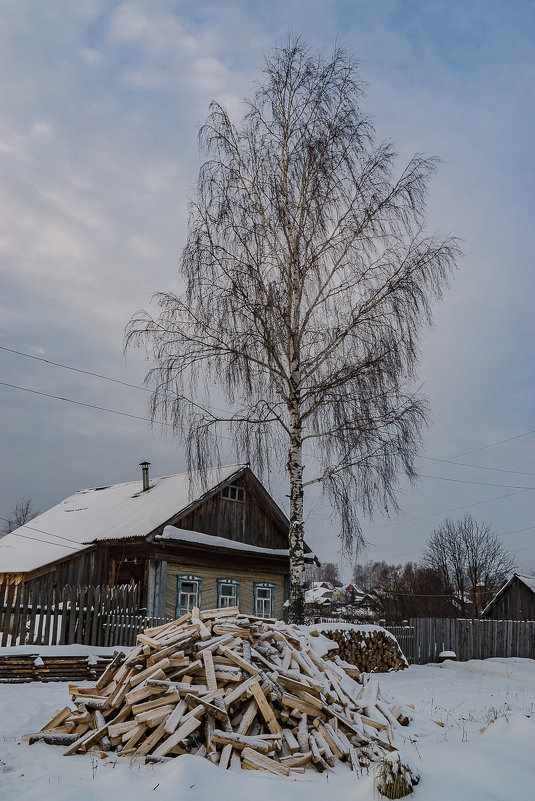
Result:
<point x="101" y="615"/>
<point x="472" y="638"/>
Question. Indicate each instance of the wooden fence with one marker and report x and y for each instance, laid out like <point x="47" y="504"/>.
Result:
<point x="472" y="638"/>
<point x="102" y="615"/>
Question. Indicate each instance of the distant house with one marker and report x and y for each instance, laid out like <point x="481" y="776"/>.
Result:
<point x="217" y="544"/>
<point x="319" y="594"/>
<point x="514" y="601"/>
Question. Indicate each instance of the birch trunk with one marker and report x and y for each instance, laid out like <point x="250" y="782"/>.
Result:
<point x="296" y="535"/>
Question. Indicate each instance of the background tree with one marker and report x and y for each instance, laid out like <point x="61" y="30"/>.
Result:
<point x="326" y="571"/>
<point x="307" y="282"/>
<point x="401" y="592"/>
<point x="470" y="559"/>
<point x="22" y="513"/>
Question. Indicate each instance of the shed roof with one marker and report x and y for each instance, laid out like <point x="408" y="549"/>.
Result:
<point x="529" y="581"/>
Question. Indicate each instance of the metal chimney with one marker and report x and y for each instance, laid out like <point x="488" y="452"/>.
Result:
<point x="145" y="474"/>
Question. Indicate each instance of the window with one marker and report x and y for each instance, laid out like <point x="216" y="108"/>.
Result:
<point x="188" y="593"/>
<point x="228" y="593"/>
<point x="233" y="493"/>
<point x="264" y="596"/>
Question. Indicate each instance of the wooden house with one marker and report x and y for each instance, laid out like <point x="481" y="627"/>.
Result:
<point x="222" y="541"/>
<point x="514" y="601"/>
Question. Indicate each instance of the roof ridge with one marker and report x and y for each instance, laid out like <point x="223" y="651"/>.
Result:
<point x="157" y="478"/>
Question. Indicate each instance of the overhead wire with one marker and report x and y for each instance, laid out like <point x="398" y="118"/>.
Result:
<point x="163" y="423"/>
<point x="480" y="483"/>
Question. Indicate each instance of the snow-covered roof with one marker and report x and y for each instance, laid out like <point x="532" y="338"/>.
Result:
<point x="196" y="537"/>
<point x="115" y="512"/>
<point x="529" y="581"/>
<point x="317" y="594"/>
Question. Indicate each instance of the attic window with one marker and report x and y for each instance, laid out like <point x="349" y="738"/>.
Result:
<point x="233" y="493"/>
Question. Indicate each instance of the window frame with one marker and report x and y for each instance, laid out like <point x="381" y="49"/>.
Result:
<point x="264" y="585"/>
<point x="233" y="583"/>
<point x="227" y="492"/>
<point x="192" y="578"/>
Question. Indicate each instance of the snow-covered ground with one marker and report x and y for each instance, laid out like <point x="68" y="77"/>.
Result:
<point x="483" y="752"/>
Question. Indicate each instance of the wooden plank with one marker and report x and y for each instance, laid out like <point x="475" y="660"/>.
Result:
<point x="73" y="611"/>
<point x="175" y="717"/>
<point x="50" y="603"/>
<point x="294" y="702"/>
<point x="181" y="733"/>
<point x="248" y="717"/>
<point x="241" y="741"/>
<point x="137" y="678"/>
<point x="253" y="759"/>
<point x="209" y="670"/>
<point x="34" y="597"/>
<point x="225" y="757"/>
<point x="265" y="708"/>
<point x="163" y="700"/>
<point x="18" y="631"/>
<point x="6" y="600"/>
<point x="239" y="691"/>
<point x="238" y="660"/>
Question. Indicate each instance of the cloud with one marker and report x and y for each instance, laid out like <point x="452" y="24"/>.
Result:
<point x="101" y="104"/>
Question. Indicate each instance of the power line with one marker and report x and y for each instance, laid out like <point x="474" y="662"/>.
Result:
<point x="145" y="389"/>
<point x="503" y="534"/>
<point x="46" y="542"/>
<point x="477" y="466"/>
<point x="492" y="444"/>
<point x="96" y="375"/>
<point x="49" y="533"/>
<point x="81" y="403"/>
<point x="479" y="483"/>
<point x="74" y="369"/>
<point x="446" y="511"/>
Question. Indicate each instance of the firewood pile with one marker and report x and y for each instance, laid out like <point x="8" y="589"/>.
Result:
<point x="237" y="690"/>
<point x="374" y="651"/>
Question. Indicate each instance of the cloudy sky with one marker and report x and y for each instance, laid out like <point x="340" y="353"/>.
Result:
<point x="100" y="104"/>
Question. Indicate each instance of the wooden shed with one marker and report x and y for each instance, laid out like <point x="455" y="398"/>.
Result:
<point x="514" y="601"/>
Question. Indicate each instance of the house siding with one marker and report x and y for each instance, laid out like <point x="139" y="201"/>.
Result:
<point x="209" y="576"/>
<point x="249" y="521"/>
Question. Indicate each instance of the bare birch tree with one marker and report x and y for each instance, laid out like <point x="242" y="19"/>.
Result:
<point x="308" y="279"/>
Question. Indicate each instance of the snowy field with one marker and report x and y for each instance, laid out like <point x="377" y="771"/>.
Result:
<point x="483" y="752"/>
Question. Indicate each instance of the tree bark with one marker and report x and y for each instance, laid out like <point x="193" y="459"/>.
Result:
<point x="296" y="534"/>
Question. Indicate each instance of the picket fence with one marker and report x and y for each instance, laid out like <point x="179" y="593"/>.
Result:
<point x="92" y="615"/>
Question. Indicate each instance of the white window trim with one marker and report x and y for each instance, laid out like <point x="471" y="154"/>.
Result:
<point x="192" y="578"/>
<point x="221" y="582"/>
<point x="264" y="585"/>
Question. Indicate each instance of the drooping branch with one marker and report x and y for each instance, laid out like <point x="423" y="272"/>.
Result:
<point x="308" y="281"/>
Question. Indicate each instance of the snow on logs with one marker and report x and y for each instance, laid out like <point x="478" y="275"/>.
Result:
<point x="237" y="690"/>
<point x="366" y="650"/>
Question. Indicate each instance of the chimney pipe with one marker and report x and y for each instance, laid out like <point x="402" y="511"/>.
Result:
<point x="145" y="474"/>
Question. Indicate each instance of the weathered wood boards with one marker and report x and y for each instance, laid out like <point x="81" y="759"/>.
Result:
<point x="236" y="690"/>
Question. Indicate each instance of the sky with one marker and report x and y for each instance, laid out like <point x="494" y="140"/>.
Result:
<point x="100" y="106"/>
